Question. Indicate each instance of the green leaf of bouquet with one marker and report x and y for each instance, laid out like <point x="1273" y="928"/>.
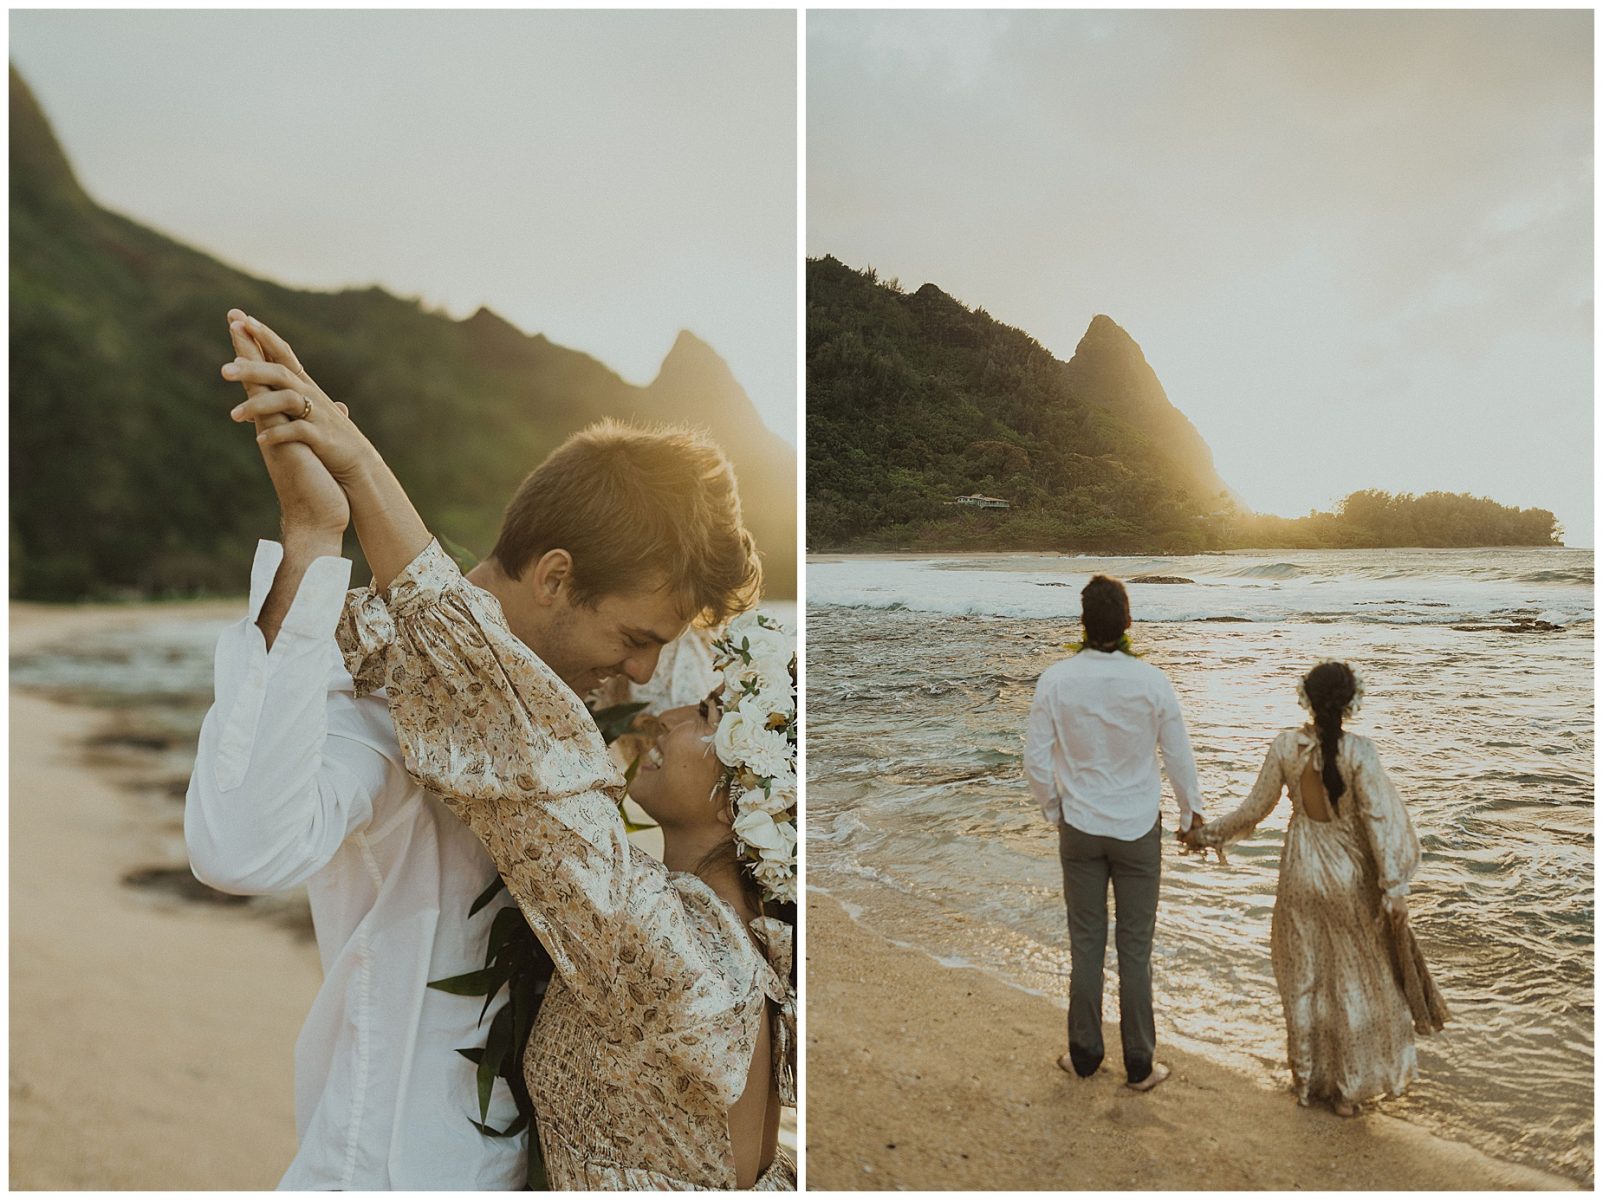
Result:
<point x="511" y="1130"/>
<point x="496" y="1047"/>
<point x="507" y="924"/>
<point x="473" y="1053"/>
<point x="535" y="1177"/>
<point x="614" y="720"/>
<point x="462" y="556"/>
<point x="487" y="895"/>
<point x="523" y="1010"/>
<point x="505" y="973"/>
<point x="475" y="983"/>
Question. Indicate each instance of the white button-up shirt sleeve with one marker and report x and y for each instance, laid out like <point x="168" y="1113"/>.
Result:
<point x="275" y="792"/>
<point x="1178" y="763"/>
<point x="1039" y="741"/>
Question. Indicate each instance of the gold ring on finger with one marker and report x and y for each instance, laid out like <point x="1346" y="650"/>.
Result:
<point x="306" y="409"/>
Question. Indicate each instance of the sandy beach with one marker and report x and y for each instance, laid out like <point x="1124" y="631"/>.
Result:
<point x="150" y="1038"/>
<point x="923" y="1076"/>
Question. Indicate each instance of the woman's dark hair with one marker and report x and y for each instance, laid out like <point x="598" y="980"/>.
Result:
<point x="725" y="854"/>
<point x="1330" y="687"/>
<point x="1104" y="611"/>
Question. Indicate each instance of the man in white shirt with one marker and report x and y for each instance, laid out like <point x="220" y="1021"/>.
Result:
<point x="604" y="558"/>
<point x="1096" y="722"/>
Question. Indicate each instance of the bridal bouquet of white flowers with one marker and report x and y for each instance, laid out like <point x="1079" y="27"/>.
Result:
<point x="756" y="742"/>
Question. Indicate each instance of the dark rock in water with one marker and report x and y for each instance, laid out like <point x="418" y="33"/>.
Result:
<point x="137" y="740"/>
<point x="1523" y="625"/>
<point x="180" y="882"/>
<point x="1234" y="620"/>
<point x="1161" y="579"/>
<point x="1038" y="583"/>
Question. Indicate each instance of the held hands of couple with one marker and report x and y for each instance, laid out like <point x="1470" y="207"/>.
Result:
<point x="312" y="449"/>
<point x="1189" y="843"/>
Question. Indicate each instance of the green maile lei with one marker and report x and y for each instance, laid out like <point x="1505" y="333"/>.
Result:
<point x="515" y="960"/>
<point x="1123" y="646"/>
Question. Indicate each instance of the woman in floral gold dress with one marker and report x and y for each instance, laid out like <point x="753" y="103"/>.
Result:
<point x="1340" y="919"/>
<point x="665" y="1046"/>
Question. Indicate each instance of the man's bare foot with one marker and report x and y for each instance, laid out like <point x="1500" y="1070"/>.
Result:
<point x="1342" y="1109"/>
<point x="1065" y="1063"/>
<point x="1160" y="1072"/>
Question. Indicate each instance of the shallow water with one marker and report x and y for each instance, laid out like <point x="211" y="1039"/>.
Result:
<point x="920" y="674"/>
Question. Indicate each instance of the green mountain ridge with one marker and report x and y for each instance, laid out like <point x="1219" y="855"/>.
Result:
<point x="128" y="478"/>
<point x="916" y="401"/>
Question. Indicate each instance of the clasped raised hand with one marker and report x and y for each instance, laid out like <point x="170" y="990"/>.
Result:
<point x="288" y="405"/>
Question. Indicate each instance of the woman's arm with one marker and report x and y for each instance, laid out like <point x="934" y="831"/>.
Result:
<point x="391" y="531"/>
<point x="1391" y="835"/>
<point x="1260" y="802"/>
<point x="512" y="752"/>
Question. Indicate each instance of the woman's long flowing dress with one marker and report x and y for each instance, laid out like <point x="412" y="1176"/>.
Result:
<point x="1349" y="1030"/>
<point x="647" y="1033"/>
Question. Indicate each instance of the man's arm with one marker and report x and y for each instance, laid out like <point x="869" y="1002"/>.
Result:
<point x="1178" y="762"/>
<point x="1039" y="739"/>
<point x="312" y="505"/>
<point x="279" y="780"/>
<point x="289" y="764"/>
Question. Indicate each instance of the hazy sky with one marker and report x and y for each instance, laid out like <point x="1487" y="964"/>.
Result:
<point x="1355" y="246"/>
<point x="603" y="178"/>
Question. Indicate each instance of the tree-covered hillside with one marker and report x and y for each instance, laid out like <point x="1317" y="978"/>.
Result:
<point x="127" y="476"/>
<point x="915" y="400"/>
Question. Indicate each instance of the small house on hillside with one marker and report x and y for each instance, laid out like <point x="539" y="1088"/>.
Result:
<point x="979" y="502"/>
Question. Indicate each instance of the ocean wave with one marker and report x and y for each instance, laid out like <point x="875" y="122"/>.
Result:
<point x="1279" y="570"/>
<point x="1378" y="587"/>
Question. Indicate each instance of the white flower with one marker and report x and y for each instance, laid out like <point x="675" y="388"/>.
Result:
<point x="753" y="661"/>
<point x="736" y="675"/>
<point x="773" y="803"/>
<point x="732" y="741"/>
<point x="771" y="699"/>
<point x="768" y="752"/>
<point x="743" y="625"/>
<point x="784" y="784"/>
<point x="778" y="880"/>
<point x="758" y="830"/>
<point x="763" y="644"/>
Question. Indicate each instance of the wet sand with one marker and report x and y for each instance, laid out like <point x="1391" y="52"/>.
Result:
<point x="922" y="1076"/>
<point x="151" y="1038"/>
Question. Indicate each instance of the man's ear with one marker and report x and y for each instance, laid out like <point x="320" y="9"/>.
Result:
<point x="552" y="573"/>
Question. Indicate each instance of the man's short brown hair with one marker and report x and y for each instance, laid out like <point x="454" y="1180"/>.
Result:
<point x="1104" y="610"/>
<point x="636" y="506"/>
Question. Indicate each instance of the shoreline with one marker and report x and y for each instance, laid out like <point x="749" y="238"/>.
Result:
<point x="921" y="1075"/>
<point x="828" y="556"/>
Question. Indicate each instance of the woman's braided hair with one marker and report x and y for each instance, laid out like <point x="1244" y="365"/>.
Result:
<point x="1330" y="688"/>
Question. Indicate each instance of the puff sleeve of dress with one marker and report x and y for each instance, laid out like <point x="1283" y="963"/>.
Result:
<point x="1390" y="833"/>
<point x="1260" y="802"/>
<point x="513" y="752"/>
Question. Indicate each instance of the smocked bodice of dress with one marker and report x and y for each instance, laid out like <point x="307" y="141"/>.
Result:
<point x="646" y="1035"/>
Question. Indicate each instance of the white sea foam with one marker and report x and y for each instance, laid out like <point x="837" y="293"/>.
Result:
<point x="1402" y="587"/>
